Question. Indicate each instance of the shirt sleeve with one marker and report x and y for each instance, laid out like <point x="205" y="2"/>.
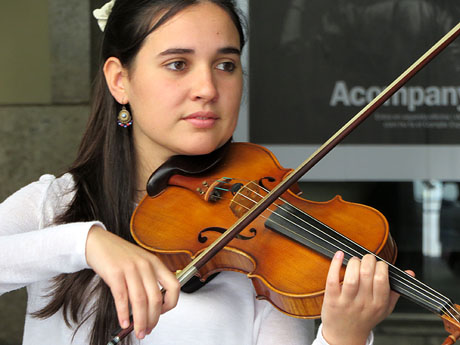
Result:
<point x="321" y="341"/>
<point x="32" y="249"/>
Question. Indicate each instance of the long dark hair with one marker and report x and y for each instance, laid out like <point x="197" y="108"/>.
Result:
<point x="104" y="170"/>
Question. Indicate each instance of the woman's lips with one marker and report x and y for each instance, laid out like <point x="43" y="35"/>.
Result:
<point x="202" y="120"/>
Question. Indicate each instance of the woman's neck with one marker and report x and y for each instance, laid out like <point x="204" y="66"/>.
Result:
<point x="145" y="168"/>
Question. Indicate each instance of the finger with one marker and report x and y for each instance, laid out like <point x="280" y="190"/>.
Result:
<point x="382" y="286"/>
<point x="366" y="276"/>
<point x="351" y="282"/>
<point x="119" y="292"/>
<point x="333" y="276"/>
<point x="170" y="284"/>
<point x="171" y="295"/>
<point x="138" y="298"/>
<point x="394" y="296"/>
<point x="154" y="297"/>
<point x="411" y="273"/>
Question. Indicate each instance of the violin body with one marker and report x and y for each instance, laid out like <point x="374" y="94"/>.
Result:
<point x="185" y="218"/>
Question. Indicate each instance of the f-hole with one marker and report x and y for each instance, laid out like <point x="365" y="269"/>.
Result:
<point x="203" y="239"/>
<point x="269" y="178"/>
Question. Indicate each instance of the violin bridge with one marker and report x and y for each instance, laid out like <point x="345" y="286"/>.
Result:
<point x="245" y="198"/>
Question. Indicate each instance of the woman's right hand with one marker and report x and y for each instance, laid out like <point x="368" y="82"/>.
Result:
<point x="133" y="275"/>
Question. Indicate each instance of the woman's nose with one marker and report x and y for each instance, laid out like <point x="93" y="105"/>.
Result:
<point x="205" y="86"/>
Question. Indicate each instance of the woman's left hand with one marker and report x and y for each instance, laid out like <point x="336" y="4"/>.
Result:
<point x="351" y="310"/>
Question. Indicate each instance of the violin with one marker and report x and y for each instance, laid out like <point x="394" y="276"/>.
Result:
<point x="247" y="216"/>
<point x="286" y="250"/>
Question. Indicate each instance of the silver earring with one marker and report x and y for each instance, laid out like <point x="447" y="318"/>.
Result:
<point x="124" y="118"/>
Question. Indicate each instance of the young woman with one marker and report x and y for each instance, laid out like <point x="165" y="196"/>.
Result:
<point x="170" y="83"/>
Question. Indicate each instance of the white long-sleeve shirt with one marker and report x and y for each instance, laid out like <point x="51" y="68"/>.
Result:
<point x="33" y="250"/>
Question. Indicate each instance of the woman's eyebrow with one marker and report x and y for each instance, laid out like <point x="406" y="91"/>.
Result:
<point x="230" y="50"/>
<point x="176" y="51"/>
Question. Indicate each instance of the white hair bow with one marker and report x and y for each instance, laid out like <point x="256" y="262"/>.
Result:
<point x="102" y="14"/>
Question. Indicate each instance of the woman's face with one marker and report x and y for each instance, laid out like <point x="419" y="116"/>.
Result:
<point x="185" y="85"/>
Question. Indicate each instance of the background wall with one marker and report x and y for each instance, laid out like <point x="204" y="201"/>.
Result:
<point x="44" y="88"/>
<point x="44" y="94"/>
<point x="28" y="47"/>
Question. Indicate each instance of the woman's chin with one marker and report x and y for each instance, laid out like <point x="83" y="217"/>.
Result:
<point x="201" y="148"/>
<point x="198" y="151"/>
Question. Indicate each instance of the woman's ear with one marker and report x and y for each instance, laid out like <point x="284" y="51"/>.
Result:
<point x="115" y="76"/>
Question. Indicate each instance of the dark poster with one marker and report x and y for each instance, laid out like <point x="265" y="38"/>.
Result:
<point x="315" y="63"/>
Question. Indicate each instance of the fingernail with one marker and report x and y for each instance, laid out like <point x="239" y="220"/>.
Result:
<point x="141" y="335"/>
<point x="338" y="255"/>
<point x="125" y="324"/>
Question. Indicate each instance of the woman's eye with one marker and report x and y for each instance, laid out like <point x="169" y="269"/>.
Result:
<point x="176" y="65"/>
<point x="226" y="66"/>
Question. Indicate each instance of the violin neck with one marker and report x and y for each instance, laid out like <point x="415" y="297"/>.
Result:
<point x="418" y="292"/>
<point x="308" y="231"/>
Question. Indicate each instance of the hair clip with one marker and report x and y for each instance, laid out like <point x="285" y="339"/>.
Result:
<point x="103" y="13"/>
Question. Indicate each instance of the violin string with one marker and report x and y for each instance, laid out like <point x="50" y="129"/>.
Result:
<point x="408" y="291"/>
<point x="359" y="254"/>
<point x="405" y="280"/>
<point x="400" y="276"/>
<point x="318" y="245"/>
<point x="404" y="276"/>
<point x="410" y="286"/>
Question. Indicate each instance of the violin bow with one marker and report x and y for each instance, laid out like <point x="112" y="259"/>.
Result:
<point x="451" y="325"/>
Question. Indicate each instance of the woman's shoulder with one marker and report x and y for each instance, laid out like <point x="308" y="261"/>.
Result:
<point x="56" y="195"/>
<point x="64" y="180"/>
<point x="46" y="183"/>
<point x="56" y="186"/>
<point x="42" y="199"/>
<point x="48" y="187"/>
